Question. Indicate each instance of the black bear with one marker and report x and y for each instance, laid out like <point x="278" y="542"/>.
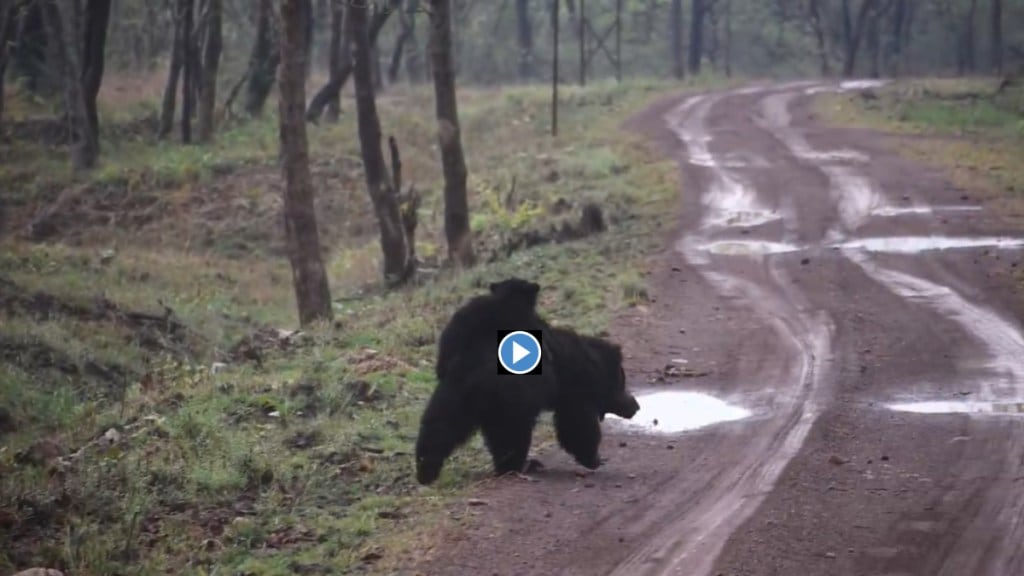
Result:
<point x="582" y="380"/>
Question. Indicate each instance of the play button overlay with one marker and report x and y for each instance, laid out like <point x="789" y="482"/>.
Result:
<point x="519" y="352"/>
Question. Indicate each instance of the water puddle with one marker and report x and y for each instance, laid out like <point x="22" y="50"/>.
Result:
<point x="671" y="412"/>
<point x="748" y="247"/>
<point x="901" y="210"/>
<point x="915" y="244"/>
<point x="960" y="407"/>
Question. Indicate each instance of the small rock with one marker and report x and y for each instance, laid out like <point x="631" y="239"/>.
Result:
<point x="885" y="458"/>
<point x="622" y="444"/>
<point x="677" y="269"/>
<point x="830" y="554"/>
<point x="959" y="439"/>
<point x="682" y="331"/>
<point x="477" y="502"/>
<point x="836" y="460"/>
<point x="631" y="476"/>
<point x="588" y="484"/>
<point x="805" y="261"/>
<point x="217" y="367"/>
<point x="670" y="447"/>
<point x="654" y="422"/>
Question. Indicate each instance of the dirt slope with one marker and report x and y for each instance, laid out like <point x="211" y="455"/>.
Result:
<point x="802" y="280"/>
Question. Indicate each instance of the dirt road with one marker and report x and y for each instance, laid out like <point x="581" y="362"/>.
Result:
<point x="844" y="305"/>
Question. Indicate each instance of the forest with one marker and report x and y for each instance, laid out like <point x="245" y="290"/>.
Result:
<point x="230" y="231"/>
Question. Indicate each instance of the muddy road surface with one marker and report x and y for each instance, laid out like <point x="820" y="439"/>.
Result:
<point x="831" y="369"/>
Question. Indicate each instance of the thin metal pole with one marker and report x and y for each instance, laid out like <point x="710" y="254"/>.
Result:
<point x="618" y="40"/>
<point x="583" y="39"/>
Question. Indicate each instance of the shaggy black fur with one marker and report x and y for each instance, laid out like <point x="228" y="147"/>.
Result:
<point x="582" y="380"/>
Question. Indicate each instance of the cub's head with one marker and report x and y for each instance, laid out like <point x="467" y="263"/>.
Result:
<point x="516" y="289"/>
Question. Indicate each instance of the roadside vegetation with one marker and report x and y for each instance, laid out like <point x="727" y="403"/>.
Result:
<point x="972" y="128"/>
<point x="162" y="413"/>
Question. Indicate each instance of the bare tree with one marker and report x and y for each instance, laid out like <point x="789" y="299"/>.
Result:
<point x="263" y="59"/>
<point x="189" y="73"/>
<point x="966" y="61"/>
<point x="97" y="19"/>
<point x="212" y="46"/>
<point x="996" y="36"/>
<point x="456" y="205"/>
<point x="173" y="74"/>
<point x="309" y="278"/>
<point x="853" y="31"/>
<point x="524" y="35"/>
<point x="697" y="11"/>
<point x="84" y="141"/>
<point x="8" y="25"/>
<point x="398" y="265"/>
<point x="330" y="91"/>
<point x="676" y="33"/>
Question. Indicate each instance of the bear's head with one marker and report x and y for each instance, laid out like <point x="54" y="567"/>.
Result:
<point x="615" y="398"/>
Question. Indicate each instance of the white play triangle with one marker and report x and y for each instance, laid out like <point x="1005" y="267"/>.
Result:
<point x="518" y="353"/>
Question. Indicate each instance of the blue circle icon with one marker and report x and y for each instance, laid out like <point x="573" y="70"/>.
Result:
<point x="519" y="352"/>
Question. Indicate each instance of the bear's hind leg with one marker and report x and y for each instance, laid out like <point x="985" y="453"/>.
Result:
<point x="507" y="435"/>
<point x="446" y="424"/>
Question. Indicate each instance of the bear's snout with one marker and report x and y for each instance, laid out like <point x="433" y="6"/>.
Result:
<point x="626" y="406"/>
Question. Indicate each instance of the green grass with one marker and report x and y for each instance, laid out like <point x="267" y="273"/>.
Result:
<point x="961" y="125"/>
<point x="300" y="463"/>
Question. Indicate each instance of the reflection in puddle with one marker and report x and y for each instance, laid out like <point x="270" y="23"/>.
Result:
<point x="958" y="407"/>
<point x="749" y="247"/>
<point x="914" y="244"/>
<point x="669" y="412"/>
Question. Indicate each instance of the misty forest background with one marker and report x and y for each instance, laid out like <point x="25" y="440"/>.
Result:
<point x="230" y="231"/>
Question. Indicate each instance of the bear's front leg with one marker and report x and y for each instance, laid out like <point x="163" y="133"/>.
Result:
<point x="579" y="433"/>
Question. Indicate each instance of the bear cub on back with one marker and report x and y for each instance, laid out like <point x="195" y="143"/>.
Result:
<point x="582" y="380"/>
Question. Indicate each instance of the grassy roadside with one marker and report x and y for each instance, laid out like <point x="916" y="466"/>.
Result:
<point x="156" y="414"/>
<point x="965" y="126"/>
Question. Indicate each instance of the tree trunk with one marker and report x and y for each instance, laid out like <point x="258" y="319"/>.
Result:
<point x="32" y="49"/>
<point x="968" y="37"/>
<point x="212" y="46"/>
<point x="97" y="19"/>
<point x="728" y="38"/>
<point x="819" y="37"/>
<point x="84" y="142"/>
<point x="397" y="264"/>
<point x="338" y="52"/>
<point x="696" y="35"/>
<point x="332" y="89"/>
<point x="395" y="66"/>
<point x="8" y="26"/>
<point x="676" y="34"/>
<point x="309" y="278"/>
<point x="524" y="36"/>
<point x="414" y="52"/>
<point x="874" y="43"/>
<point x="894" y="44"/>
<point x="456" y="204"/>
<point x="188" y="73"/>
<point x="852" y="34"/>
<point x="996" y="36"/>
<point x="174" y="72"/>
<point x="264" y="59"/>
<point x="310" y="35"/>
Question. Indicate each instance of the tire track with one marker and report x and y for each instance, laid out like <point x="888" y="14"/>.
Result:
<point x="690" y="543"/>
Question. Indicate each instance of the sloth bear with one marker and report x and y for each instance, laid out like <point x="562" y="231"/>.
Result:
<point x="582" y="380"/>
